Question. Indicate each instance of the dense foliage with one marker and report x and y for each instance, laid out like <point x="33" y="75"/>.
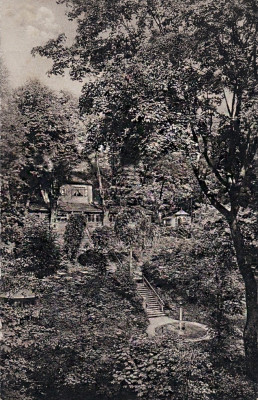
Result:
<point x="38" y="150"/>
<point x="38" y="250"/>
<point x="169" y="120"/>
<point x="68" y="349"/>
<point x="201" y="271"/>
<point x="73" y="235"/>
<point x="179" y="75"/>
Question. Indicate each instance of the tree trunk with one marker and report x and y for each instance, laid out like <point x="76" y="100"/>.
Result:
<point x="161" y="189"/>
<point x="250" y="331"/>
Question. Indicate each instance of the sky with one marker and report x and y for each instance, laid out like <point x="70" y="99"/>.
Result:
<point x="29" y="23"/>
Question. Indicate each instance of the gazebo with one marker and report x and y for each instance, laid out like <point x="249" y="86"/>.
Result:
<point x="175" y="220"/>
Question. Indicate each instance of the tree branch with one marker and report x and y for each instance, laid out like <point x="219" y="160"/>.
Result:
<point x="156" y="20"/>
<point x="210" y="164"/>
<point x="226" y="213"/>
<point x="207" y="158"/>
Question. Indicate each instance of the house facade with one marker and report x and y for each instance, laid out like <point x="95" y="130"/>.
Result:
<point x="76" y="198"/>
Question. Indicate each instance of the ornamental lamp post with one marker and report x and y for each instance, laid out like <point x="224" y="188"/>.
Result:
<point x="180" y="315"/>
<point x="180" y="302"/>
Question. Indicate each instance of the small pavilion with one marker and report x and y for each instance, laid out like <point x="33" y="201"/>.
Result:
<point x="175" y="220"/>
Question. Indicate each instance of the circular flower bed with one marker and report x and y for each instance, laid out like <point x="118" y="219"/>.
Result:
<point x="190" y="330"/>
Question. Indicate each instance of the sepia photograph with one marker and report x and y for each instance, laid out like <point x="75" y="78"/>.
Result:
<point x="129" y="199"/>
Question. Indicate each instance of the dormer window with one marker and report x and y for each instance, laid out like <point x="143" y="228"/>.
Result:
<point x="77" y="193"/>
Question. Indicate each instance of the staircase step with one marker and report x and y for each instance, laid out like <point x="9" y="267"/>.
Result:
<point x="153" y="308"/>
<point x="149" y="301"/>
<point x="156" y="315"/>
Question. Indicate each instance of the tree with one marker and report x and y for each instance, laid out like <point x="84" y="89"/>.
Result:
<point x="49" y="121"/>
<point x="132" y="227"/>
<point x="94" y="258"/>
<point x="13" y="188"/>
<point x="222" y="67"/>
<point x="208" y="53"/>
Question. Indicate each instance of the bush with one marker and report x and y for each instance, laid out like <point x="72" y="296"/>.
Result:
<point x="73" y="235"/>
<point x="40" y="251"/>
<point x="104" y="238"/>
<point x="93" y="258"/>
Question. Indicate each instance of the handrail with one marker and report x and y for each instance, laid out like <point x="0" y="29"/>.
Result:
<point x="154" y="291"/>
<point x="119" y="261"/>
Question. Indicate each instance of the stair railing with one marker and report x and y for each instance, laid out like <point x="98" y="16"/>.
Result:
<point x="160" y="301"/>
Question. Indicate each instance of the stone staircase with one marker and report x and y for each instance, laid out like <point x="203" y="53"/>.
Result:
<point x="151" y="302"/>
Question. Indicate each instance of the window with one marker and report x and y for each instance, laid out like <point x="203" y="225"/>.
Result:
<point x="77" y="193"/>
<point x="98" y="218"/>
<point x="61" y="216"/>
<point x="91" y="218"/>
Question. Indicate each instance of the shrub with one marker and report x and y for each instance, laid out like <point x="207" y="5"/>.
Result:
<point x="93" y="258"/>
<point x="73" y="235"/>
<point x="40" y="251"/>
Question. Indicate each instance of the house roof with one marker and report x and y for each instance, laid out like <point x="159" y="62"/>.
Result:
<point x="68" y="207"/>
<point x="79" y="178"/>
<point x="168" y="217"/>
<point x="38" y="207"/>
<point x="181" y="212"/>
<point x="88" y="208"/>
<point x="78" y="181"/>
<point x="117" y="209"/>
<point x="177" y="214"/>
